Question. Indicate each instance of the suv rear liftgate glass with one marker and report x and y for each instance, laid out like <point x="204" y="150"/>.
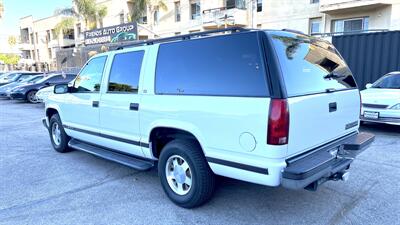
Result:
<point x="309" y="65"/>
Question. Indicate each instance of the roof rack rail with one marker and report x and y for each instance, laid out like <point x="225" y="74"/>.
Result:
<point x="180" y="37"/>
<point x="294" y="31"/>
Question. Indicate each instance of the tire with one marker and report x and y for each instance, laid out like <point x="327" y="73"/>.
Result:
<point x="202" y="178"/>
<point x="60" y="144"/>
<point x="31" y="97"/>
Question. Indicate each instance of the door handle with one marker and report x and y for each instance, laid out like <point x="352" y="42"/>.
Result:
<point x="95" y="104"/>
<point x="134" y="106"/>
<point x="332" y="107"/>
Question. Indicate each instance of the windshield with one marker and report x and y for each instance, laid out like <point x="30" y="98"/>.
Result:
<point x="388" y="81"/>
<point x="310" y="65"/>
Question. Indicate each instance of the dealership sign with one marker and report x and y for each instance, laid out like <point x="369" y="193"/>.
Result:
<point x="113" y="34"/>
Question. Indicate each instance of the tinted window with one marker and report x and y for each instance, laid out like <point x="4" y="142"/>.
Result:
<point x="388" y="81"/>
<point x="310" y="65"/>
<point x="125" y="72"/>
<point x="54" y="79"/>
<point x="89" y="78"/>
<point x="226" y="65"/>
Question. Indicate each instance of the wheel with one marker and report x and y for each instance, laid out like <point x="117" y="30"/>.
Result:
<point x="31" y="97"/>
<point x="184" y="173"/>
<point x="59" y="139"/>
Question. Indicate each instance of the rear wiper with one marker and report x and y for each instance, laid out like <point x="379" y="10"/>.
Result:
<point x="334" y="76"/>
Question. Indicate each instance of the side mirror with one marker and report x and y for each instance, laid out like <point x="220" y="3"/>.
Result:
<point x="368" y="85"/>
<point x="61" y="89"/>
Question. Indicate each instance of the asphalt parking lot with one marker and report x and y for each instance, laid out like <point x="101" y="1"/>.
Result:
<point x="40" y="186"/>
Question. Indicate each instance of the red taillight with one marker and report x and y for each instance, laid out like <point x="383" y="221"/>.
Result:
<point x="278" y="122"/>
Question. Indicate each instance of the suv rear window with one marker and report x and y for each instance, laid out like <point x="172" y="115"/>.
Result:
<point x="229" y="65"/>
<point x="310" y="65"/>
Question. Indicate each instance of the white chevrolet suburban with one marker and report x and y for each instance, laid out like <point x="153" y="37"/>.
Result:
<point x="276" y="108"/>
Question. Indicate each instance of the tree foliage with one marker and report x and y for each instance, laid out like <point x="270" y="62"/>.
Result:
<point x="9" y="59"/>
<point x="140" y="7"/>
<point x="64" y="26"/>
<point x="12" y="41"/>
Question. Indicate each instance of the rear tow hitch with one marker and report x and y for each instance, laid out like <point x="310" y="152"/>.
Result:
<point x="343" y="176"/>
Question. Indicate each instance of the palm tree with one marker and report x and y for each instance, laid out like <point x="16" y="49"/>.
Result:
<point x="91" y="12"/>
<point x="140" y="7"/>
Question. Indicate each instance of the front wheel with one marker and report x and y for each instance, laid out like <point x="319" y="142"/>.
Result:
<point x="31" y="97"/>
<point x="59" y="139"/>
<point x="184" y="173"/>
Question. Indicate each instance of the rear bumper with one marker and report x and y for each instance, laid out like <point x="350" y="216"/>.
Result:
<point x="325" y="163"/>
<point x="385" y="120"/>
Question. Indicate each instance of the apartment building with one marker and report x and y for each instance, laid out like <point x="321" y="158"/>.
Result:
<point x="308" y="16"/>
<point x="39" y="41"/>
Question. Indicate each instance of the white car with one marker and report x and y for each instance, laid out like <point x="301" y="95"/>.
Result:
<point x="381" y="100"/>
<point x="44" y="93"/>
<point x="270" y="107"/>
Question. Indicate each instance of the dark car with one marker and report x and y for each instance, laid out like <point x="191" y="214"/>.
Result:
<point x="27" y="92"/>
<point x="15" y="76"/>
<point x="5" y="90"/>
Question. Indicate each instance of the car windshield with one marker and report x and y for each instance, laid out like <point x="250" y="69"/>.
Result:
<point x="391" y="81"/>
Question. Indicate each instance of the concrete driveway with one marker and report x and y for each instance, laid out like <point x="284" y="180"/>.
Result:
<point x="40" y="186"/>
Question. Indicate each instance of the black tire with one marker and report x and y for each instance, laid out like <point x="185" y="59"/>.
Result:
<point x="62" y="147"/>
<point x="29" y="98"/>
<point x="203" y="179"/>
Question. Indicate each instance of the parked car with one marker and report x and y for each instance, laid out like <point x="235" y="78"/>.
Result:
<point x="44" y="93"/>
<point x="5" y="90"/>
<point x="381" y="100"/>
<point x="27" y="92"/>
<point x="268" y="107"/>
<point x="15" y="76"/>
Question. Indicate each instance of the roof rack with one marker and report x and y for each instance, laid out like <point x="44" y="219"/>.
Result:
<point x="180" y="37"/>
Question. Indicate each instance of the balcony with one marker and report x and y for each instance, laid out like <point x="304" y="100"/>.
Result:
<point x="344" y="6"/>
<point x="218" y="17"/>
<point x="61" y="43"/>
<point x="25" y="45"/>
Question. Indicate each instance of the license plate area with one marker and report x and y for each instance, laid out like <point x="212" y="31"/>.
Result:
<point x="371" y="115"/>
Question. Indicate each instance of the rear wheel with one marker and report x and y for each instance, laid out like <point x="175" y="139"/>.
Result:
<point x="31" y="97"/>
<point x="184" y="173"/>
<point x="59" y="139"/>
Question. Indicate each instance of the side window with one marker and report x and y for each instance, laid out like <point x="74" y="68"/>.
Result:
<point x="125" y="72"/>
<point x="89" y="79"/>
<point x="223" y="66"/>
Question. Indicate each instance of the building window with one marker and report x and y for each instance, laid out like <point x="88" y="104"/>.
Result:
<point x="239" y="4"/>
<point x="32" y="41"/>
<point x="177" y="11"/>
<point x="350" y="25"/>
<point x="194" y="10"/>
<point x="37" y="38"/>
<point x="259" y="5"/>
<point x="314" y="1"/>
<point x="38" y="55"/>
<point x="47" y="36"/>
<point x="315" y="25"/>
<point x="50" y="54"/>
<point x="156" y="16"/>
<point x="78" y="29"/>
<point x="143" y="20"/>
<point x="53" y="34"/>
<point x="121" y="18"/>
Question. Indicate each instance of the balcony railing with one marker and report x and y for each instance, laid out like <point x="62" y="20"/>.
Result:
<point x="327" y="6"/>
<point x="220" y="16"/>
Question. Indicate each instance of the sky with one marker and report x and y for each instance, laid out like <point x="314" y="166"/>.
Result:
<point x="16" y="9"/>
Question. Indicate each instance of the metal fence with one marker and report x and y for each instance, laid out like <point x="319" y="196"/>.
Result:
<point x="370" y="55"/>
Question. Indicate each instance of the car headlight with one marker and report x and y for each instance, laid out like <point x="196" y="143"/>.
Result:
<point x="397" y="107"/>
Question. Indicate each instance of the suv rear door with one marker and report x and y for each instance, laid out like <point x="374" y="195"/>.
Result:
<point x="324" y="101"/>
<point x="119" y="104"/>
